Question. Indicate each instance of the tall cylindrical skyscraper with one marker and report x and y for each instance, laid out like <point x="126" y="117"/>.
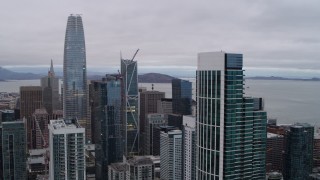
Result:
<point x="75" y="91"/>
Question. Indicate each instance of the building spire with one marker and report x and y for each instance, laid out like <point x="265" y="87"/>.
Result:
<point x="51" y="71"/>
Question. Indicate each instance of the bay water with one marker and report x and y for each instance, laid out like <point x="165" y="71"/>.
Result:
<point x="287" y="100"/>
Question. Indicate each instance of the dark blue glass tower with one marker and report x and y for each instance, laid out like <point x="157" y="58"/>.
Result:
<point x="75" y="101"/>
<point x="181" y="97"/>
<point x="14" y="150"/>
<point x="106" y="96"/>
<point x="299" y="156"/>
<point x="5" y="116"/>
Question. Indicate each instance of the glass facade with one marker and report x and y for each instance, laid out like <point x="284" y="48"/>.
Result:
<point x="14" y="150"/>
<point x="181" y="97"/>
<point x="75" y="101"/>
<point x="209" y="101"/>
<point x="231" y="134"/>
<point x="129" y="92"/>
<point x="299" y="156"/>
<point x="108" y="126"/>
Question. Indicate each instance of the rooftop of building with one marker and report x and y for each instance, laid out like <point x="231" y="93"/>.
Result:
<point x="60" y="124"/>
<point x="154" y="159"/>
<point x="40" y="111"/>
<point x="119" y="166"/>
<point x="57" y="112"/>
<point x="18" y="121"/>
<point x="128" y="61"/>
<point x="76" y="15"/>
<point x="140" y="160"/>
<point x="274" y="175"/>
<point x="6" y="111"/>
<point x="273" y="135"/>
<point x="175" y="131"/>
<point x="166" y="99"/>
<point x="154" y="115"/>
<point x="36" y="152"/>
<point x="26" y="88"/>
<point x="298" y="125"/>
<point x="152" y="92"/>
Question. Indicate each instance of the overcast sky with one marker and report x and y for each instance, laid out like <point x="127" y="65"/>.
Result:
<point x="273" y="35"/>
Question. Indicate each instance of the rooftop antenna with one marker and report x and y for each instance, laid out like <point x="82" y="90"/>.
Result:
<point x="134" y="55"/>
<point x="120" y="55"/>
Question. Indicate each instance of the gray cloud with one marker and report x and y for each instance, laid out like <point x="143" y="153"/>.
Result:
<point x="169" y="33"/>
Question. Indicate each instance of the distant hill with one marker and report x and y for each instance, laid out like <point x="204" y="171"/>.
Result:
<point x="6" y="74"/>
<point x="282" y="78"/>
<point x="155" y="78"/>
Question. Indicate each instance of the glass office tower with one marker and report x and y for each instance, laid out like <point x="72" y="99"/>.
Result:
<point x="231" y="132"/>
<point x="106" y="110"/>
<point x="14" y="150"/>
<point x="129" y="72"/>
<point x="75" y="91"/>
<point x="181" y="97"/>
<point x="299" y="152"/>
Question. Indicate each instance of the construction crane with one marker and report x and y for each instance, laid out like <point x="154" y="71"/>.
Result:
<point x="135" y="55"/>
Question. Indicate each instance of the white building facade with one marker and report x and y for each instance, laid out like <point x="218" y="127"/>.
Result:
<point x="67" y="151"/>
<point x="189" y="147"/>
<point x="171" y="155"/>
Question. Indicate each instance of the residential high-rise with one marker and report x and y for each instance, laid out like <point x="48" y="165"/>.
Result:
<point x="106" y="111"/>
<point x="66" y="145"/>
<point x="75" y="90"/>
<point x="156" y="138"/>
<point x="140" y="168"/>
<point x="117" y="171"/>
<point x="14" y="150"/>
<point x="36" y="163"/>
<point x="231" y="133"/>
<point x="30" y="100"/>
<point x="189" y="147"/>
<point x="130" y="119"/>
<point x="299" y="154"/>
<point x="171" y="155"/>
<point x="275" y="155"/>
<point x="153" y="121"/>
<point x="181" y="97"/>
<point x="50" y="91"/>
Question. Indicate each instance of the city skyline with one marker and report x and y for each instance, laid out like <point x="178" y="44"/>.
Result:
<point x="273" y="36"/>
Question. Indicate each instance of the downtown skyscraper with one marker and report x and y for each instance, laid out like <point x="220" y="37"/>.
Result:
<point x="130" y="118"/>
<point x="231" y="128"/>
<point x="106" y="111"/>
<point x="75" y="90"/>
<point x="50" y="91"/>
